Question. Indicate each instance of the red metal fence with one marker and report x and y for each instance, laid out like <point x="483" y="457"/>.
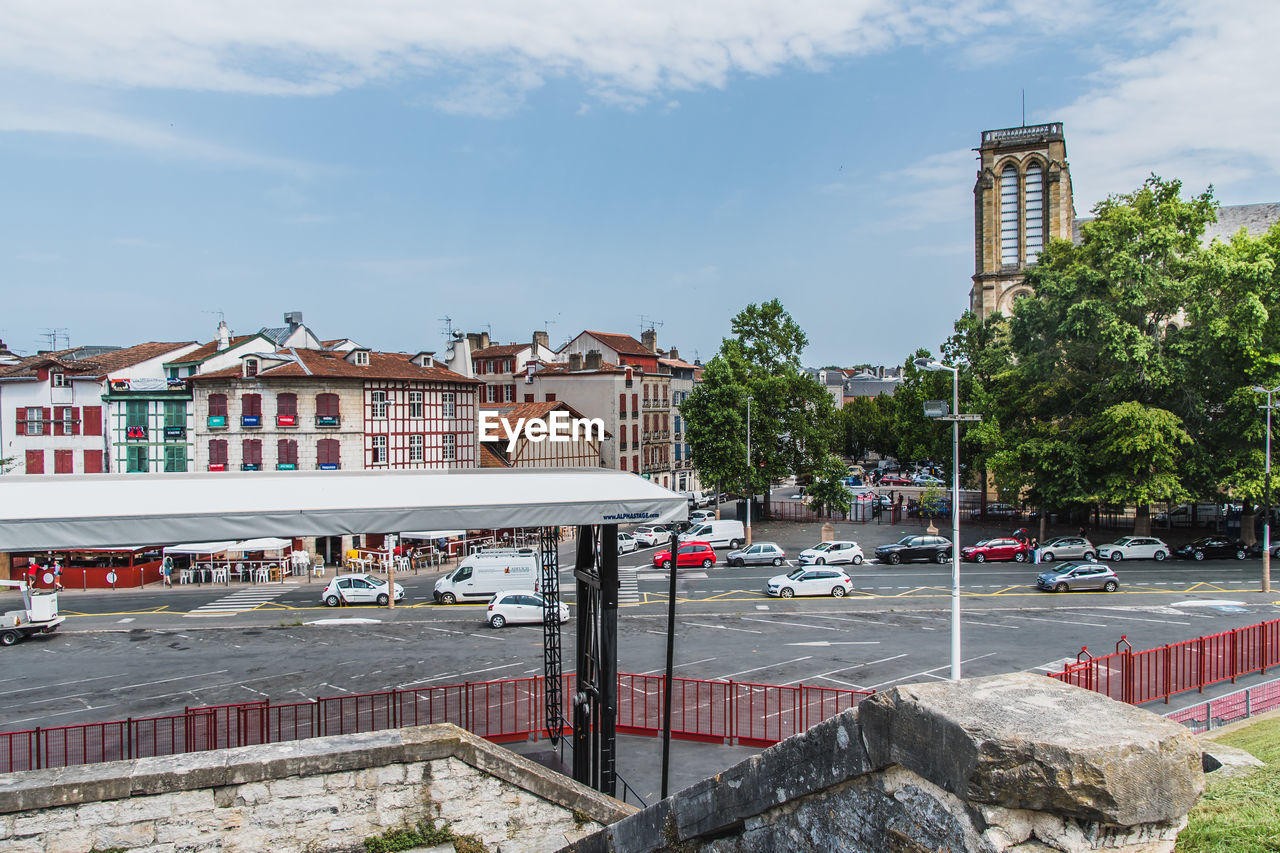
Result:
<point x="1138" y="677"/>
<point x="714" y="711"/>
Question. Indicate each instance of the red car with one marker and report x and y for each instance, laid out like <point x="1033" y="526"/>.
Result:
<point x="894" y="480"/>
<point x="689" y="554"/>
<point x="996" y="549"/>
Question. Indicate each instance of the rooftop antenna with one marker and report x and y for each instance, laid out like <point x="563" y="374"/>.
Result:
<point x="54" y="334"/>
<point x="222" y="317"/>
<point x="1024" y="107"/>
<point x="448" y="325"/>
<point x="648" y="323"/>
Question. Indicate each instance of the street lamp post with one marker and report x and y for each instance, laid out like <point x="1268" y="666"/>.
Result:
<point x="1266" y="518"/>
<point x="750" y="490"/>
<point x="955" y="417"/>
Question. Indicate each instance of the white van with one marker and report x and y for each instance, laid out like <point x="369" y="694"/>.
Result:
<point x="719" y="534"/>
<point x="486" y="573"/>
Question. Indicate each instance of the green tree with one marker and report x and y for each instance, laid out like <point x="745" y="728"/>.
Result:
<point x="827" y="493"/>
<point x="715" y="424"/>
<point x="1136" y="451"/>
<point x="866" y="426"/>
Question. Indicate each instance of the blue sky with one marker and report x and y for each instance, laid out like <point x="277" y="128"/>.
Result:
<point x="382" y="165"/>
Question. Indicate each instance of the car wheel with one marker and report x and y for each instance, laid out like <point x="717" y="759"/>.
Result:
<point x="666" y="564"/>
<point x="821" y="561"/>
<point x="1160" y="555"/>
<point x="737" y="562"/>
<point x="1199" y="555"/>
<point x="786" y="592"/>
<point x="894" y="559"/>
<point x="8" y="638"/>
<point x="1061" y="587"/>
<point x="1020" y="557"/>
<point x="382" y="600"/>
<point x="837" y="592"/>
<point x="1090" y="556"/>
<point x="1046" y="557"/>
<point x="857" y="559"/>
<point x="941" y="558"/>
<point x="979" y="558"/>
<point x="332" y="600"/>
<point x="449" y="598"/>
<point x="735" y="544"/>
<point x="1116" y="556"/>
<point x="497" y="620"/>
<point x="777" y="561"/>
<point x="1240" y="554"/>
<point x="706" y="563"/>
<point x="1111" y="586"/>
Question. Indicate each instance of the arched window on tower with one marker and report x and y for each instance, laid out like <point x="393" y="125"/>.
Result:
<point x="1035" y="212"/>
<point x="1009" y="217"/>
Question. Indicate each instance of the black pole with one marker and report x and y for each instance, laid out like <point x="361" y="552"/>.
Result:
<point x="671" y="651"/>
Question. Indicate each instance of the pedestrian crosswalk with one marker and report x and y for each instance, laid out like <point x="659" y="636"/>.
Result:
<point x="628" y="588"/>
<point x="240" y="601"/>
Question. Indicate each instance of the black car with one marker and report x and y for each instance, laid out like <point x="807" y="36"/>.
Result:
<point x="909" y="548"/>
<point x="1212" y="546"/>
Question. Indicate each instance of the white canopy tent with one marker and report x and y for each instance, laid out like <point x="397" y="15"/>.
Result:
<point x="97" y="510"/>
<point x="265" y="543"/>
<point x="432" y="534"/>
<point x="196" y="548"/>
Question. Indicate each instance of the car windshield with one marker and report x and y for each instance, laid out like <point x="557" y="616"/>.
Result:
<point x="824" y="546"/>
<point x="1125" y="540"/>
<point x="983" y="543"/>
<point x="905" y="540"/>
<point x="795" y="576"/>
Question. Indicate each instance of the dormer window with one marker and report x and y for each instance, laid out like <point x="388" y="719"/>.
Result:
<point x="250" y="367"/>
<point x="360" y="357"/>
<point x="58" y="379"/>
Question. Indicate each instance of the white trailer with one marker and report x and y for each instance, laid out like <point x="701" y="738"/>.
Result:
<point x="39" y="615"/>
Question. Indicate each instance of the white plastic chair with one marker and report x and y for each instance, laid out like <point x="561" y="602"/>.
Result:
<point x="184" y="576"/>
<point x="261" y="574"/>
<point x="317" y="570"/>
<point x="220" y="574"/>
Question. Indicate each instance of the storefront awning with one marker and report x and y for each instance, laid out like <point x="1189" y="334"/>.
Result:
<point x="265" y="543"/>
<point x="200" y="548"/>
<point x="103" y="510"/>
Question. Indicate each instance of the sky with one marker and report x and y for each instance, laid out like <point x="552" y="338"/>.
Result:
<point x="396" y="168"/>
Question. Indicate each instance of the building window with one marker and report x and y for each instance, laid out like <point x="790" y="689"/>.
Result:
<point x="551" y="398"/>
<point x="69" y="420"/>
<point x="327" y="454"/>
<point x="528" y="398"/>
<point x="1009" y="216"/>
<point x="58" y="379"/>
<point x="415" y="404"/>
<point x="361" y="357"/>
<point x="286" y="454"/>
<point x="378" y="404"/>
<point x="217" y="410"/>
<point x="35" y="462"/>
<point x="218" y="454"/>
<point x="622" y="463"/>
<point x="175" y="458"/>
<point x="416" y="444"/>
<point x="250" y="367"/>
<point x="447" y="405"/>
<point x="450" y="450"/>
<point x="508" y="393"/>
<point x="1035" y="212"/>
<point x="286" y="409"/>
<point x="379" y="450"/>
<point x="251" y="410"/>
<point x="175" y="415"/>
<point x="135" y="459"/>
<point x="327" y="410"/>
<point x="622" y="405"/>
<point x="491" y="393"/>
<point x="251" y="454"/>
<point x="135" y="420"/>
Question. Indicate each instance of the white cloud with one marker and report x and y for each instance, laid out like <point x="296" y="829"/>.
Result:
<point x="938" y="188"/>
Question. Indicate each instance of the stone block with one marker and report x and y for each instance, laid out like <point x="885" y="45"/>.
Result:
<point x="1025" y="741"/>
<point x="137" y="809"/>
<point x="69" y="841"/>
<point x="296" y="786"/>
<point x="128" y="837"/>
<point x="34" y="823"/>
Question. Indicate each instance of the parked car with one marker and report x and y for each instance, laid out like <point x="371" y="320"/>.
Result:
<point x="648" y="535"/>
<point x="626" y="543"/>
<point x="996" y="510"/>
<point x="894" y="480"/>
<point x="758" y="554"/>
<point x="700" y="515"/>
<point x="688" y="554"/>
<point x="1069" y="576"/>
<point x="815" y="581"/>
<point x="833" y="552"/>
<point x="1212" y="546"/>
<point x="995" y="549"/>
<point x="513" y="608"/>
<point x="909" y="548"/>
<point x="1068" y="548"/>
<point x="926" y="480"/>
<point x="357" y="589"/>
<point x="725" y="533"/>
<point x="1134" y="548"/>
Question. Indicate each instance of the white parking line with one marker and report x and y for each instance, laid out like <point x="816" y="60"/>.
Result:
<point x="1057" y="621"/>
<point x="677" y="666"/>
<point x="796" y="624"/>
<point x="846" y="668"/>
<point x="758" y="668"/>
<point x="724" y="627"/>
<point x="1136" y="619"/>
<point x="928" y="672"/>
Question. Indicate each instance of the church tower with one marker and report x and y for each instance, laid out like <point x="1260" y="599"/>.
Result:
<point x="1022" y="200"/>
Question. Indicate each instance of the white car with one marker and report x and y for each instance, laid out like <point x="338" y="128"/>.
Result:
<point x="1134" y="548"/>
<point x="358" y="589"/>
<point x="830" y="553"/>
<point x="626" y="543"/>
<point x="649" y="535"/>
<point x="926" y="480"/>
<point x="814" y="581"/>
<point x="700" y="515"/>
<point x="515" y="608"/>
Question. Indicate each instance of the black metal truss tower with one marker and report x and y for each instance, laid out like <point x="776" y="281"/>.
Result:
<point x="595" y="700"/>
<point x="552" y="669"/>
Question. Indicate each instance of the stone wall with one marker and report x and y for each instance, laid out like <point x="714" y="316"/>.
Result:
<point x="1007" y="763"/>
<point x="316" y="795"/>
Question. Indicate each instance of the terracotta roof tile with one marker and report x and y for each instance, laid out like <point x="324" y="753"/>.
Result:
<point x="622" y="344"/>
<point x="326" y="364"/>
<point x="206" y="350"/>
<point x="98" y="366"/>
<point x="500" y="351"/>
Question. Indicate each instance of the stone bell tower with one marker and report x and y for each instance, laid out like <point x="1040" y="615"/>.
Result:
<point x="1022" y="199"/>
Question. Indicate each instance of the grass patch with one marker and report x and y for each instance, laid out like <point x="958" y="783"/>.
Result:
<point x="1240" y="815"/>
<point x="423" y="835"/>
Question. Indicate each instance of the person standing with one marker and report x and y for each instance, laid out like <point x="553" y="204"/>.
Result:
<point x="33" y="572"/>
<point x="57" y="576"/>
<point x="1035" y="550"/>
<point x="166" y="570"/>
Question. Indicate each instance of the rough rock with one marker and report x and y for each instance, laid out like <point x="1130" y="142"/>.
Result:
<point x="1030" y="742"/>
<point x="1223" y="761"/>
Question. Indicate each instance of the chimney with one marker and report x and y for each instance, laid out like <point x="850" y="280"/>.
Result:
<point x="649" y="337"/>
<point x="674" y="355"/>
<point x="224" y="335"/>
<point x="541" y="339"/>
<point x="575" y="361"/>
<point x="593" y="360"/>
<point x="293" y="319"/>
<point x="484" y="340"/>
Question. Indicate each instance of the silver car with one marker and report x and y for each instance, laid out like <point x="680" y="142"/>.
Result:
<point x="1068" y="548"/>
<point x="759" y="554"/>
<point x="1072" y="576"/>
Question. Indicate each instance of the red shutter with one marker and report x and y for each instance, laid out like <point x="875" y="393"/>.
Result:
<point x="35" y="461"/>
<point x="75" y="420"/>
<point x="93" y="420"/>
<point x="551" y="398"/>
<point x="57" y="430"/>
<point x="62" y="462"/>
<point x="46" y="415"/>
<point x="93" y="462"/>
<point x="20" y="424"/>
<point x="622" y="404"/>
